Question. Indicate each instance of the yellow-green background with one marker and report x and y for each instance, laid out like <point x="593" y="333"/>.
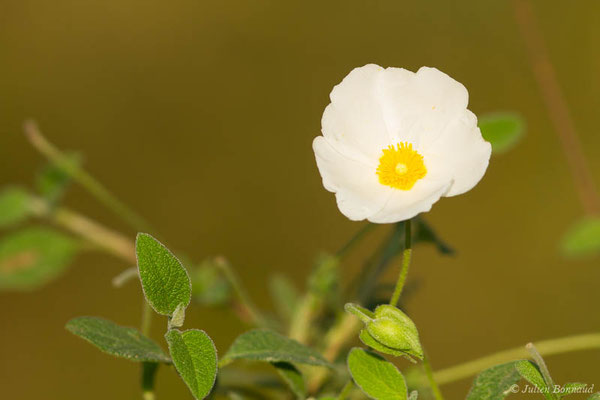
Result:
<point x="201" y="115"/>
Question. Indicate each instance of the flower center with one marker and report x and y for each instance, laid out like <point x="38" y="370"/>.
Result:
<point x="400" y="167"/>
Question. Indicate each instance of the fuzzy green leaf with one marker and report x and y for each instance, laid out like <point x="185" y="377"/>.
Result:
<point x="195" y="358"/>
<point x="494" y="383"/>
<point x="266" y="345"/>
<point x="502" y="130"/>
<point x="583" y="238"/>
<point x="165" y="281"/>
<point x="14" y="206"/>
<point x="530" y="372"/>
<point x="292" y="377"/>
<point x="117" y="340"/>
<point x="32" y="257"/>
<point x="376" y="377"/>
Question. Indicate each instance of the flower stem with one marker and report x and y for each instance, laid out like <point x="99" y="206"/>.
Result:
<point x="78" y="174"/>
<point x="545" y="348"/>
<point x="406" y="256"/>
<point x="435" y="389"/>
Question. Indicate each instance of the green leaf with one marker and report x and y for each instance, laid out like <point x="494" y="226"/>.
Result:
<point x="414" y="395"/>
<point x="266" y="345"/>
<point x="195" y="358"/>
<point x="530" y="372"/>
<point x="31" y="257"/>
<point x="116" y="340"/>
<point x="285" y="296"/>
<point x="424" y="233"/>
<point x="502" y="130"/>
<point x="165" y="281"/>
<point x="209" y="286"/>
<point x="495" y="383"/>
<point x="583" y="238"/>
<point x="370" y="341"/>
<point x="292" y="377"/>
<point x="14" y="206"/>
<point x="376" y="377"/>
<point x="52" y="180"/>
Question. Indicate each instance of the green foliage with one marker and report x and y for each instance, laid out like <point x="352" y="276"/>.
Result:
<point x="502" y="130"/>
<point x="195" y="358"/>
<point x="209" y="287"/>
<point x="424" y="233"/>
<point x="285" y="296"/>
<point x="165" y="281"/>
<point x="52" y="181"/>
<point x="494" y="383"/>
<point x="32" y="257"/>
<point x="294" y="379"/>
<point x="116" y="340"/>
<point x="583" y="238"/>
<point x="376" y="377"/>
<point x="14" y="206"/>
<point x="531" y="373"/>
<point x="266" y="345"/>
<point x="370" y="341"/>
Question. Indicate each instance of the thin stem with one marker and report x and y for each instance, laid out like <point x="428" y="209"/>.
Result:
<point x="111" y="241"/>
<point x="558" y="109"/>
<point x="146" y="319"/>
<point x="406" y="256"/>
<point x="245" y="301"/>
<point x="435" y="389"/>
<point x="346" y="390"/>
<point x="78" y="174"/>
<point x="545" y="348"/>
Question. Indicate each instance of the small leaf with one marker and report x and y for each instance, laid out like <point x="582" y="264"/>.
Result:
<point x="360" y="312"/>
<point x="31" y="257"/>
<point x="14" y="206"/>
<point x="266" y="345"/>
<point x="583" y="238"/>
<point x="414" y="395"/>
<point x="426" y="234"/>
<point x="376" y="377"/>
<point x="502" y="130"/>
<point x="292" y="377"/>
<point x="195" y="358"/>
<point x="285" y="296"/>
<point x="178" y="317"/>
<point x="52" y="180"/>
<point x="165" y="281"/>
<point x="530" y="372"/>
<point x="495" y="383"/>
<point x="117" y="340"/>
<point x="209" y="287"/>
<point x="370" y="341"/>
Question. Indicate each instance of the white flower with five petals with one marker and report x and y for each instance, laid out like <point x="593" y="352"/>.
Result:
<point x="395" y="141"/>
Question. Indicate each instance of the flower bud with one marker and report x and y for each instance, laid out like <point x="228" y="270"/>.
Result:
<point x="394" y="329"/>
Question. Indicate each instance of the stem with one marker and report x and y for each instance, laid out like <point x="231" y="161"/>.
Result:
<point x="346" y="391"/>
<point x="558" y="109"/>
<point x="78" y="174"/>
<point x="406" y="256"/>
<point x="545" y="347"/>
<point x="435" y="389"/>
<point x="102" y="237"/>
<point x="249" y="307"/>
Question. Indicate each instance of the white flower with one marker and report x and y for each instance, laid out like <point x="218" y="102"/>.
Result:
<point x="395" y="141"/>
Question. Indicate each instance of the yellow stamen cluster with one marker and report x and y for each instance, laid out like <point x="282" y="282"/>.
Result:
<point x="400" y="167"/>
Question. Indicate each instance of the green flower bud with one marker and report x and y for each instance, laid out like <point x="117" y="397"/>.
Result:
<point x="394" y="329"/>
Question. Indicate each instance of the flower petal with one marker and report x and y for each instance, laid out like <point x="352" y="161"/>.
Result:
<point x="403" y="205"/>
<point x="461" y="152"/>
<point x="353" y="122"/>
<point x="357" y="190"/>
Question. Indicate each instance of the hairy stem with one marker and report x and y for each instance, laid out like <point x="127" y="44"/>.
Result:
<point x="406" y="256"/>
<point x="545" y="348"/>
<point x="53" y="154"/>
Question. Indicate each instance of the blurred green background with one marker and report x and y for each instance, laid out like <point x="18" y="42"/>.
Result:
<point x="201" y="114"/>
